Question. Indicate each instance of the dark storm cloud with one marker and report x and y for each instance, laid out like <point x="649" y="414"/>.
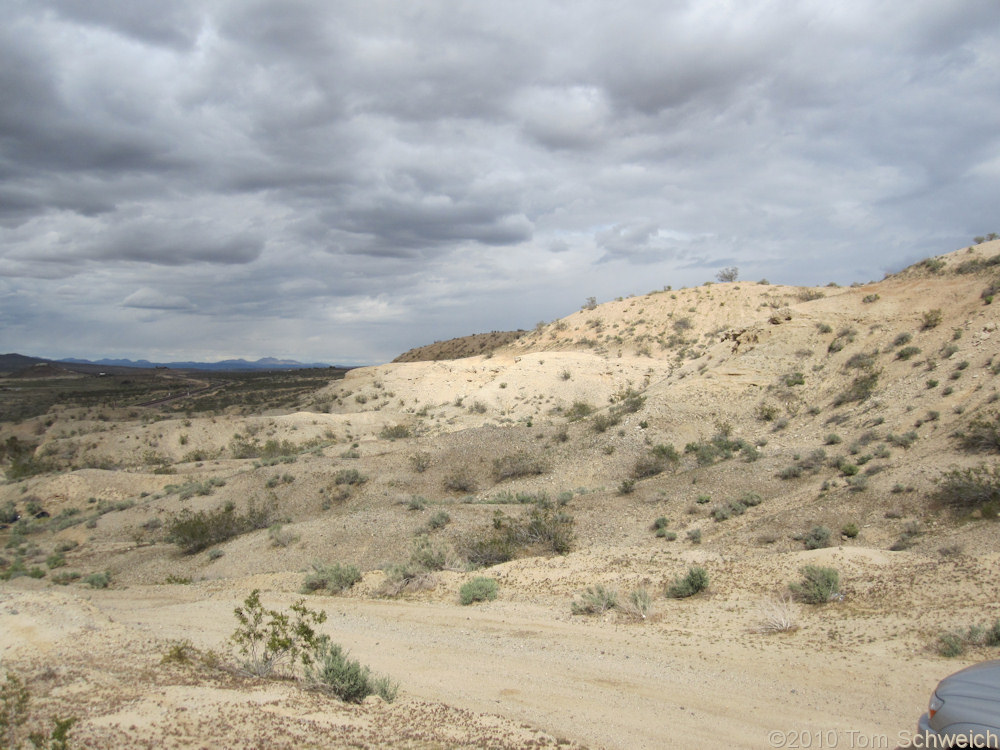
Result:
<point x="308" y="173"/>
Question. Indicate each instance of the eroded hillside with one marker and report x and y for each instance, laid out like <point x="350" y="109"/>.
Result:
<point x="746" y="429"/>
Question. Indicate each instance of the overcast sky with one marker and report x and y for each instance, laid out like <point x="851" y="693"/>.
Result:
<point x="340" y="181"/>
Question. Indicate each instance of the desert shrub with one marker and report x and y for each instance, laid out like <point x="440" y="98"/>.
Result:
<point x="728" y="274"/>
<point x="696" y="580"/>
<point x="438" y="520"/>
<point x="908" y="537"/>
<point x="266" y="638"/>
<point x="637" y="605"/>
<point x="954" y="643"/>
<point x="193" y="532"/>
<point x="659" y="526"/>
<point x="420" y="461"/>
<point x="479" y="589"/>
<point x="459" y="480"/>
<point x="969" y="489"/>
<point x="604" y="422"/>
<point x="594" y="601"/>
<point x="694" y="536"/>
<point x="861" y="361"/>
<point x="543" y="528"/>
<point x="902" y="441"/>
<point x="579" y="410"/>
<point x="850" y="530"/>
<point x="903" y="338"/>
<point x="331" y="579"/>
<point x="790" y="472"/>
<point x="428" y="556"/>
<point x="907" y="352"/>
<point x="777" y="615"/>
<point x="416" y="503"/>
<point x="832" y="439"/>
<point x="931" y="319"/>
<point x="818" y="585"/>
<point x="817" y="538"/>
<point x="860" y="389"/>
<point x="349" y="477"/>
<point x="521" y="464"/>
<point x="98" y="580"/>
<point x="396" y="431"/>
<point x="15" y="699"/>
<point x="626" y="487"/>
<point x="793" y="378"/>
<point x="280" y="536"/>
<point x="658" y="460"/>
<point x="869" y="298"/>
<point x="331" y="671"/>
<point x="982" y="435"/>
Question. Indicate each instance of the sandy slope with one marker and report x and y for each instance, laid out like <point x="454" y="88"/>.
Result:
<point x="523" y="670"/>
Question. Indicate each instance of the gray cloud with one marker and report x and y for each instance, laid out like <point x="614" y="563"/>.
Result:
<point x="311" y="175"/>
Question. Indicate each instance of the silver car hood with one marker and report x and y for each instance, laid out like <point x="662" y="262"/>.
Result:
<point x="980" y="681"/>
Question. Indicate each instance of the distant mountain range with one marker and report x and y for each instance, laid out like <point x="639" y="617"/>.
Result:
<point x="11" y="362"/>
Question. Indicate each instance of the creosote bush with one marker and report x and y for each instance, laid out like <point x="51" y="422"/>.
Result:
<point x="818" y="585"/>
<point x="266" y="638"/>
<point x="543" y="529"/>
<point x="695" y="581"/>
<point x="331" y="579"/>
<point x="479" y="589"/>
<point x="521" y="464"/>
<point x="982" y="435"/>
<point x="970" y="489"/>
<point x="193" y="532"/>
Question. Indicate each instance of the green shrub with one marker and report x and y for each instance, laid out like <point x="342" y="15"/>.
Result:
<point x="543" y="528"/>
<point x="349" y="477"/>
<point x="193" y="532"/>
<point x="659" y="459"/>
<point x="266" y="638"/>
<point x="903" y="338"/>
<point x="817" y="538"/>
<point x="695" y="581"/>
<point x="521" y="464"/>
<point x="98" y="580"/>
<point x="818" y="585"/>
<point x="850" y="530"/>
<point x="594" y="601"/>
<point x="694" y="535"/>
<point x="931" y="319"/>
<point x="902" y="441"/>
<point x="438" y="520"/>
<point x="396" y="431"/>
<point x="459" y="480"/>
<point x="479" y="589"/>
<point x="982" y="435"/>
<point x="969" y="489"/>
<point x="860" y="389"/>
<point x="332" y="579"/>
<point x="331" y="671"/>
<point x="907" y="352"/>
<point x="15" y="699"/>
<point x="579" y="410"/>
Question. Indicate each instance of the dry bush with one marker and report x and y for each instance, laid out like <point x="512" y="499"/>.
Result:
<point x="776" y="614"/>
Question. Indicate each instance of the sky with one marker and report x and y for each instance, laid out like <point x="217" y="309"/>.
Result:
<point x="339" y="181"/>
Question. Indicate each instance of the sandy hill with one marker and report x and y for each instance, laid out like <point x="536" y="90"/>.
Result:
<point x="463" y="346"/>
<point x="748" y="429"/>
